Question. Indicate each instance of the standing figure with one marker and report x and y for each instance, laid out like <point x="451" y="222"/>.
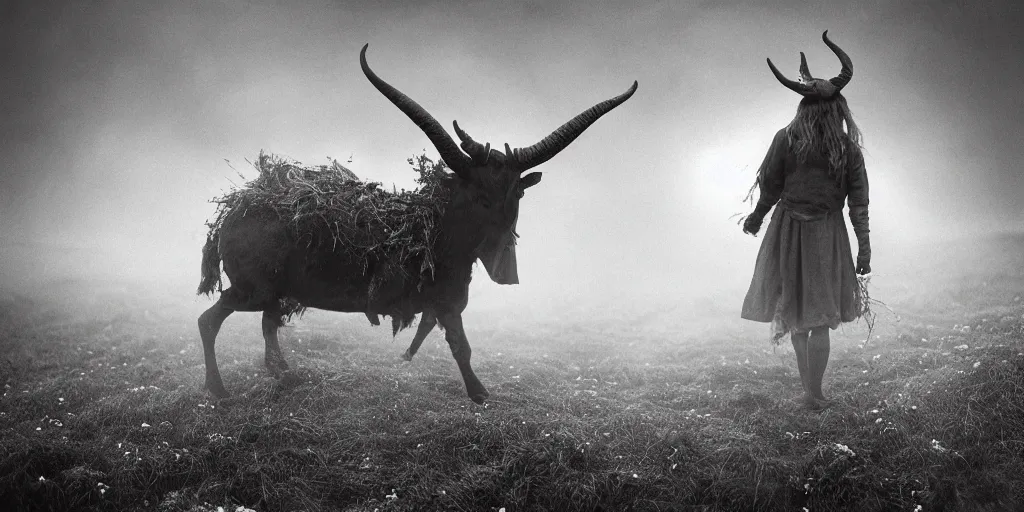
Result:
<point x="805" y="279"/>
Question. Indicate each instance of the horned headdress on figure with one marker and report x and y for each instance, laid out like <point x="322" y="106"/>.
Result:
<point x="811" y="87"/>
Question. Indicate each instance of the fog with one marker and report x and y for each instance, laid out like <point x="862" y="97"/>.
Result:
<point x="121" y="121"/>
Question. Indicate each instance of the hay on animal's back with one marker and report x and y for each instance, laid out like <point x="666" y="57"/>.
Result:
<point x="328" y="208"/>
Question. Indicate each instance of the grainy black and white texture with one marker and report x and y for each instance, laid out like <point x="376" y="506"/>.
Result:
<point x="621" y="372"/>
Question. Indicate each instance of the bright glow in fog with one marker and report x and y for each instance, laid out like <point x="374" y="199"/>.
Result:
<point x="121" y="117"/>
<point x="723" y="175"/>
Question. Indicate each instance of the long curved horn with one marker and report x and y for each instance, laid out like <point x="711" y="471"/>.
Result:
<point x="803" y="89"/>
<point x="456" y="160"/>
<point x="847" y="72"/>
<point x="565" y="134"/>
<point x="805" y="72"/>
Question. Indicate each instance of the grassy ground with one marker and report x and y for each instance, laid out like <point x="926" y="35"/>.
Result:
<point x="102" y="408"/>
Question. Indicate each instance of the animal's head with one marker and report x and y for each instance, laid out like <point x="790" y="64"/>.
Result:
<point x="489" y="183"/>
<point x="817" y="88"/>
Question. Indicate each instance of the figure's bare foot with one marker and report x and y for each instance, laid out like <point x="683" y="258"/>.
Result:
<point x="808" y="401"/>
<point x="216" y="388"/>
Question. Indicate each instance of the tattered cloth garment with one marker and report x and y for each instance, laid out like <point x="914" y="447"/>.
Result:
<point x="804" y="276"/>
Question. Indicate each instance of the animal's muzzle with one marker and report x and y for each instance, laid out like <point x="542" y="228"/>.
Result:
<point x="500" y="258"/>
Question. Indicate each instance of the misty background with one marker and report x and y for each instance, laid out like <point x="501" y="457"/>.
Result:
<point x="122" y="120"/>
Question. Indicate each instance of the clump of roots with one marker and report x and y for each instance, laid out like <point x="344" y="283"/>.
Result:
<point x="865" y="305"/>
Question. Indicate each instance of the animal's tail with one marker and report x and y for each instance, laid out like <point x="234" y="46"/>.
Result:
<point x="211" y="265"/>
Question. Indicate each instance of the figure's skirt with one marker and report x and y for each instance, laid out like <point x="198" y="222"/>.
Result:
<point x="804" y="276"/>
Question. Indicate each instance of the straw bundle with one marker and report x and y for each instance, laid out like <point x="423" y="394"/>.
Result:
<point x="327" y="206"/>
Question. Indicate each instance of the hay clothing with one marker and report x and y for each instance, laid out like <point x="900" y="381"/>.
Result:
<point x="804" y="276"/>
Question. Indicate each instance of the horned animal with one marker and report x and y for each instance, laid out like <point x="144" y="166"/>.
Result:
<point x="268" y="268"/>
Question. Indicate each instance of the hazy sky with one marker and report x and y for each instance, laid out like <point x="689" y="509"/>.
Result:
<point x="118" y="118"/>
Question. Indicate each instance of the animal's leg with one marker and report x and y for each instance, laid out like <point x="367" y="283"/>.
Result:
<point x="817" y="360"/>
<point x="456" y="337"/>
<point x="209" y="325"/>
<point x="273" y="359"/>
<point x="427" y="323"/>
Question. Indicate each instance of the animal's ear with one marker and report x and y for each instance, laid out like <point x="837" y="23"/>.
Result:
<point x="530" y="180"/>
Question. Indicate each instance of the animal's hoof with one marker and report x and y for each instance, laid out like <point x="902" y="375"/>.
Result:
<point x="407" y="356"/>
<point x="479" y="396"/>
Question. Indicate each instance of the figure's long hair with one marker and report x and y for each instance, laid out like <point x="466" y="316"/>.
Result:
<point x="818" y="129"/>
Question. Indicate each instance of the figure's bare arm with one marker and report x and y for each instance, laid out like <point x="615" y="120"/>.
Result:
<point x="858" y="202"/>
<point x="771" y="180"/>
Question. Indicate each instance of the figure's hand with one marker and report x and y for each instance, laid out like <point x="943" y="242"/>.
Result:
<point x="752" y="225"/>
<point x="863" y="267"/>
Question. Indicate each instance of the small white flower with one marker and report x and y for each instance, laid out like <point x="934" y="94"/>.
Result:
<point x="842" y="448"/>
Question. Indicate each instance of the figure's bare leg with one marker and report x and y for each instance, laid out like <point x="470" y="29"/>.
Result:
<point x="799" y="340"/>
<point x="456" y="337"/>
<point x="801" y="345"/>
<point x="427" y="323"/>
<point x="209" y="325"/>
<point x="817" y="360"/>
<point x="273" y="358"/>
